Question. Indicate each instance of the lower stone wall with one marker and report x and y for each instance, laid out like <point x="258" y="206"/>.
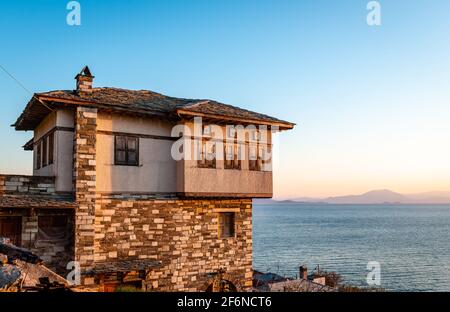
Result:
<point x="55" y="253"/>
<point x="26" y="185"/>
<point x="182" y="234"/>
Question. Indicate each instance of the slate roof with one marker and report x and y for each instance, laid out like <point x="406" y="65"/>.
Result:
<point x="25" y="266"/>
<point x="300" y="285"/>
<point x="220" y="109"/>
<point x="272" y="282"/>
<point x="33" y="201"/>
<point x="129" y="99"/>
<point x="136" y="101"/>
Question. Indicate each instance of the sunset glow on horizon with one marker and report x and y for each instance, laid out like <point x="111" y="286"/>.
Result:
<point x="371" y="103"/>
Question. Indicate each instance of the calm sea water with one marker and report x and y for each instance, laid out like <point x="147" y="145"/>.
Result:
<point x="411" y="242"/>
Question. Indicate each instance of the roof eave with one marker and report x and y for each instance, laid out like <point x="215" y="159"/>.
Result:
<point x="19" y="126"/>
<point x="29" y="145"/>
<point x="282" y="125"/>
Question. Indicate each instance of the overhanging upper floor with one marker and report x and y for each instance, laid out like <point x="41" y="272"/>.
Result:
<point x="135" y="133"/>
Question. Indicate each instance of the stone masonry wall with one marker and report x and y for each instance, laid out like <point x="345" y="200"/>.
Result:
<point x="181" y="234"/>
<point x="84" y="179"/>
<point x="26" y="185"/>
<point x="55" y="253"/>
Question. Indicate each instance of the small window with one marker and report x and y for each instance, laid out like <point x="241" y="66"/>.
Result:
<point x="232" y="160"/>
<point x="256" y="136"/>
<point x="38" y="155"/>
<point x="265" y="158"/>
<point x="51" y="147"/>
<point x="226" y="224"/>
<point x="207" y="130"/>
<point x="231" y="132"/>
<point x="52" y="227"/>
<point x="44" y="152"/>
<point x="207" y="154"/>
<point x="254" y="160"/>
<point x="126" y="151"/>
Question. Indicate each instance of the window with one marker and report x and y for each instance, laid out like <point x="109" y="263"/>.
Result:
<point x="207" y="130"/>
<point x="207" y="157"/>
<point x="232" y="160"/>
<point x="226" y="224"/>
<point x="51" y="147"/>
<point x="38" y="155"/>
<point x="256" y="135"/>
<point x="44" y="152"/>
<point x="265" y="157"/>
<point x="52" y="227"/>
<point x="231" y="132"/>
<point x="126" y="151"/>
<point x="11" y="228"/>
<point x="254" y="159"/>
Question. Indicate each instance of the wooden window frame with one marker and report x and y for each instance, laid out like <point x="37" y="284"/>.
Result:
<point x="51" y="148"/>
<point x="254" y="164"/>
<point x="203" y="162"/>
<point x="262" y="150"/>
<point x="127" y="162"/>
<point x="44" y="152"/>
<point x="231" y="222"/>
<point x="235" y="163"/>
<point x="38" y="156"/>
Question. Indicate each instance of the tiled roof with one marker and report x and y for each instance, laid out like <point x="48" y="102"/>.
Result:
<point x="24" y="201"/>
<point x="136" y="101"/>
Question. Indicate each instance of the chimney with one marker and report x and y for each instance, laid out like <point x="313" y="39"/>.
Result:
<point x="84" y="80"/>
<point x="303" y="272"/>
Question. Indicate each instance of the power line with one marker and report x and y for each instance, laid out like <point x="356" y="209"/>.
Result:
<point x="23" y="87"/>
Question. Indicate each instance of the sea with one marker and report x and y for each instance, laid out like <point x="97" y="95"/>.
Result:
<point x="401" y="247"/>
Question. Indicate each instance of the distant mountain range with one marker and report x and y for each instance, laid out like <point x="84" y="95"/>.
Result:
<point x="372" y="197"/>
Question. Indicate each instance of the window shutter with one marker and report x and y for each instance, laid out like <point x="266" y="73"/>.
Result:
<point x="120" y="152"/>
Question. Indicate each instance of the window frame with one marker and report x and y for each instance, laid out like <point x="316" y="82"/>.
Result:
<point x="254" y="164"/>
<point x="44" y="152"/>
<point x="127" y="162"/>
<point x="203" y="162"/>
<point x="235" y="163"/>
<point x="38" y="155"/>
<point x="232" y="224"/>
<point x="51" y="148"/>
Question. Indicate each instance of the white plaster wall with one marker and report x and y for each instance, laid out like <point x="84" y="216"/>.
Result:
<point x="131" y="124"/>
<point x="203" y="180"/>
<point x="65" y="118"/>
<point x="63" y="148"/>
<point x="46" y="125"/>
<point x="64" y="161"/>
<point x="156" y="172"/>
<point x="224" y="181"/>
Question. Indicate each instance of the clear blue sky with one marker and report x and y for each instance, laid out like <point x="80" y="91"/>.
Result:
<point x="372" y="104"/>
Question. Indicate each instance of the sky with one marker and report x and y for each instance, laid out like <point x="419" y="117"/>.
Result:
<point x="371" y="103"/>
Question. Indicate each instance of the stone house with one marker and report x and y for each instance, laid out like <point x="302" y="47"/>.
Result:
<point x="108" y="191"/>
